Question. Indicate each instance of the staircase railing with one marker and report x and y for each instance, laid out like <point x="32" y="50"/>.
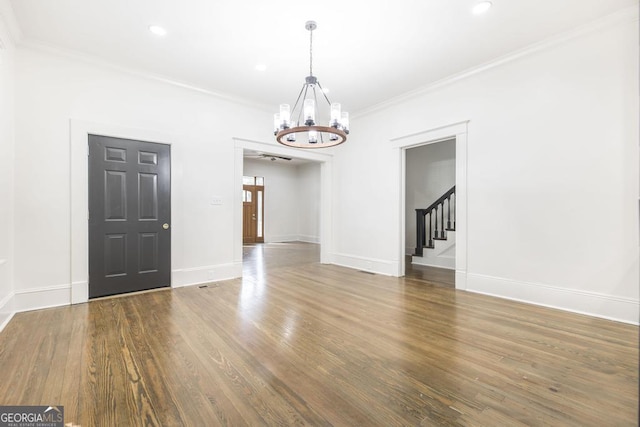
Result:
<point x="436" y="228"/>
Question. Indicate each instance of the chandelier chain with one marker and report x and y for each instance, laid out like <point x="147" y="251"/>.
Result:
<point x="311" y="52"/>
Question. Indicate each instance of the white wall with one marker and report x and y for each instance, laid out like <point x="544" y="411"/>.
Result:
<point x="552" y="148"/>
<point x="7" y="78"/>
<point x="309" y="198"/>
<point x="51" y="90"/>
<point x="430" y="172"/>
<point x="552" y="173"/>
<point x="292" y="199"/>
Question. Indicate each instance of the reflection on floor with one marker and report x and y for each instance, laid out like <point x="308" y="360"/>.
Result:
<point x="437" y="276"/>
<point x="259" y="258"/>
<point x="299" y="343"/>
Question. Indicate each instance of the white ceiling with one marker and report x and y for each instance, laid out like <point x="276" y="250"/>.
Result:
<point x="365" y="52"/>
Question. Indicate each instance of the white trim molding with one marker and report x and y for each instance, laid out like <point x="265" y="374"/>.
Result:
<point x="39" y="298"/>
<point x="401" y="144"/>
<point x="281" y="238"/>
<point x="79" y="292"/>
<point x="7" y="310"/>
<point x="308" y="238"/>
<point x="205" y="274"/>
<point x="370" y="265"/>
<point x="624" y="15"/>
<point x="50" y="49"/>
<point x="79" y="189"/>
<point x="577" y="301"/>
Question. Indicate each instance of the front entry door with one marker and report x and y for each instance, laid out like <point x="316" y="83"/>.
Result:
<point x="129" y="215"/>
<point x="252" y="214"/>
<point x="249" y="218"/>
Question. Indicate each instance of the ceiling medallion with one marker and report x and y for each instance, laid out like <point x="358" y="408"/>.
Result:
<point x="298" y="127"/>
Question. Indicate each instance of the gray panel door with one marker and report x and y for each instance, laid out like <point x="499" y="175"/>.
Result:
<point x="129" y="215"/>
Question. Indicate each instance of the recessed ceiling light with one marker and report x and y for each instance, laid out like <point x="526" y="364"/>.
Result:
<point x="157" y="30"/>
<point x="481" y="7"/>
<point x="261" y="67"/>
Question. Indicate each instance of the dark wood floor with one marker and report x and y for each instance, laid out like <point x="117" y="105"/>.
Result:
<point x="299" y="343"/>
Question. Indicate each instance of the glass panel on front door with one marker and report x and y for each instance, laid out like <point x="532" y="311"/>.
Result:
<point x="259" y="211"/>
<point x="253" y="209"/>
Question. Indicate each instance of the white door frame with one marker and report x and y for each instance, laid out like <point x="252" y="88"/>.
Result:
<point x="402" y="144"/>
<point x="79" y="191"/>
<point x="326" y="166"/>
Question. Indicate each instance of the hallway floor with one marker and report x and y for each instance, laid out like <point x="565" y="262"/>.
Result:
<point x="261" y="257"/>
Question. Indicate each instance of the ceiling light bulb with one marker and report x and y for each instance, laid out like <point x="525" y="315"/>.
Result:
<point x="157" y="30"/>
<point x="482" y="7"/>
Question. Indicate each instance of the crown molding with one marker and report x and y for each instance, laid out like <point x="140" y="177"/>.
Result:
<point x="101" y="63"/>
<point x="10" y="31"/>
<point x="629" y="14"/>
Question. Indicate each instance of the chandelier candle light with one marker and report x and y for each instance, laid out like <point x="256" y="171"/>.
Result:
<point x="298" y="127"/>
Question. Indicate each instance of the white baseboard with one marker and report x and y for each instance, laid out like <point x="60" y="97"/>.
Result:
<point x="610" y="307"/>
<point x="372" y="265"/>
<point x="282" y="238"/>
<point x="39" y="298"/>
<point x="7" y="318"/>
<point x="461" y="280"/>
<point x="7" y="310"/>
<point x="308" y="239"/>
<point x="292" y="238"/>
<point x="79" y="292"/>
<point x="205" y="274"/>
<point x="438" y="261"/>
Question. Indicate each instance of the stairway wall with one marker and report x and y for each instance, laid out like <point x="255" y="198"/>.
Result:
<point x="431" y="171"/>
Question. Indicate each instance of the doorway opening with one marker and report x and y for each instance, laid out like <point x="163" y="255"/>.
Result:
<point x="284" y="206"/>
<point x="458" y="133"/>
<point x="252" y="209"/>
<point x="285" y="217"/>
<point x="430" y="211"/>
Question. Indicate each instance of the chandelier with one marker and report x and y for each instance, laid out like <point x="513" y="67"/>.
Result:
<point x="299" y="127"/>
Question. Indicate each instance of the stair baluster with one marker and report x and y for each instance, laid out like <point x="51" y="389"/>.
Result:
<point x="435" y="236"/>
<point x="455" y="204"/>
<point x="449" y="213"/>
<point x="442" y="235"/>
<point x="430" y="244"/>
<point x="439" y="232"/>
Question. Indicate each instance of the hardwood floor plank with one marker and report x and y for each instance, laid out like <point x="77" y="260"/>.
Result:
<point x="229" y="371"/>
<point x="188" y="381"/>
<point x="74" y="363"/>
<point x="298" y="343"/>
<point x="274" y="362"/>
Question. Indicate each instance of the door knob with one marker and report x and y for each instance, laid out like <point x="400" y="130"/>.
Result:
<point x="165" y="226"/>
